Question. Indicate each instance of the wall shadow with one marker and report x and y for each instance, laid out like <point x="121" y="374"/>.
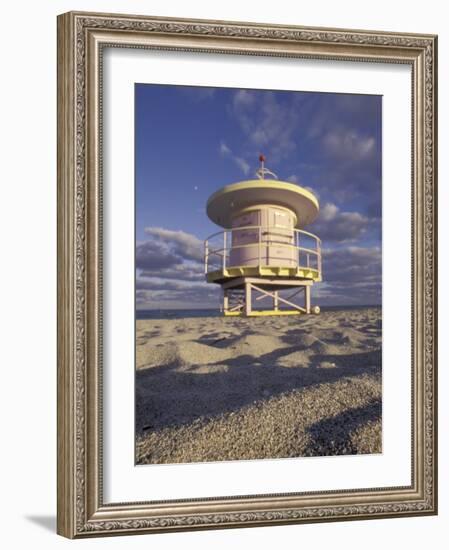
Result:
<point x="46" y="522"/>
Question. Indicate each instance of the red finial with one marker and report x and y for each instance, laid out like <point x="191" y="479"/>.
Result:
<point x="262" y="158"/>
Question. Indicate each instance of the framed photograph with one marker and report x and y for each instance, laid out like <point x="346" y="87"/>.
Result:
<point x="246" y="274"/>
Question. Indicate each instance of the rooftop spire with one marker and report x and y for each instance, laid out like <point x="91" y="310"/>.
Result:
<point x="262" y="171"/>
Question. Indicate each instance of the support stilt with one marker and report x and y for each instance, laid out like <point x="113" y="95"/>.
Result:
<point x="241" y="294"/>
<point x="307" y="298"/>
<point x="247" y="298"/>
<point x="225" y="300"/>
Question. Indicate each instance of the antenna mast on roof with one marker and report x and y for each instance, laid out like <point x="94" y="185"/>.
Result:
<point x="260" y="173"/>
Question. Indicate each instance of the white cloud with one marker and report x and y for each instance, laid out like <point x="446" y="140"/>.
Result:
<point x="243" y="98"/>
<point x="178" y="298"/>
<point x="268" y="124"/>
<point x="157" y="283"/>
<point x="184" y="244"/>
<point x="349" y="145"/>
<point x="188" y="271"/>
<point x="242" y="164"/>
<point x="333" y="225"/>
<point x="351" y="275"/>
<point x="225" y="151"/>
<point x="170" y="271"/>
<point x="328" y="212"/>
<point x="154" y="255"/>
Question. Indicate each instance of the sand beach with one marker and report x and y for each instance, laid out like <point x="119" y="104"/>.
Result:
<point x="215" y="388"/>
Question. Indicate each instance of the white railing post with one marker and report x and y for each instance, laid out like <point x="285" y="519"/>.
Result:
<point x="297" y="241"/>
<point x="224" y="249"/>
<point x="321" y="265"/>
<point x="318" y="254"/>
<point x="298" y="247"/>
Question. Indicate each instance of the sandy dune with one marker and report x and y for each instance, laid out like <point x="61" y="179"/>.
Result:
<point x="212" y="389"/>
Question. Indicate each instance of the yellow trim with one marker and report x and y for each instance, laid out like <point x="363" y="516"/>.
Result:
<point x="267" y="271"/>
<point x="262" y="313"/>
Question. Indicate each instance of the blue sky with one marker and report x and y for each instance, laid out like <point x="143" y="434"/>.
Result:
<point x="191" y="141"/>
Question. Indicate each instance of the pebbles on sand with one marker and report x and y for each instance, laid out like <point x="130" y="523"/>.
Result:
<point x="210" y="389"/>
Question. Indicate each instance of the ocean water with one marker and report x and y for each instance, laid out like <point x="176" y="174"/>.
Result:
<point x="189" y="313"/>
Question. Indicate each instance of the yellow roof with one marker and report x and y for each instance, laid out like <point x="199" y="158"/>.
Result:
<point x="229" y="200"/>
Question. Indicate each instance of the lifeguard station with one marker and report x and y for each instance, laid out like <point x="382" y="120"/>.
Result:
<point x="263" y="250"/>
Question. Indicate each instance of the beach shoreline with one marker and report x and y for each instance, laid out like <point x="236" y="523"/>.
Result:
<point x="215" y="388"/>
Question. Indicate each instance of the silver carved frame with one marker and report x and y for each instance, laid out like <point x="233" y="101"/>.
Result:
<point x="81" y="39"/>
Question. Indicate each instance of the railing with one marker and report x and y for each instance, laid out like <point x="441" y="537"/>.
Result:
<point x="302" y="249"/>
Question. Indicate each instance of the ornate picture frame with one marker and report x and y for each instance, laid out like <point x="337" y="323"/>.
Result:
<point x="82" y="38"/>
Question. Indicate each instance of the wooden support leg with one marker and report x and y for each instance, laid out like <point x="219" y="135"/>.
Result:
<point x="247" y="299"/>
<point x="225" y="300"/>
<point x="307" y="298"/>
<point x="266" y="293"/>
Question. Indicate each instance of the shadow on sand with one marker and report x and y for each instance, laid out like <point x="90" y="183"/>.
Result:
<point x="174" y="395"/>
<point x="332" y="436"/>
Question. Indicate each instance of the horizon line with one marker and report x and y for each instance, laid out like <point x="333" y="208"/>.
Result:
<point x="218" y="309"/>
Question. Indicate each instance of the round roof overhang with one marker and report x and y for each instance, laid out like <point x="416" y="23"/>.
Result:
<point x="228" y="201"/>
